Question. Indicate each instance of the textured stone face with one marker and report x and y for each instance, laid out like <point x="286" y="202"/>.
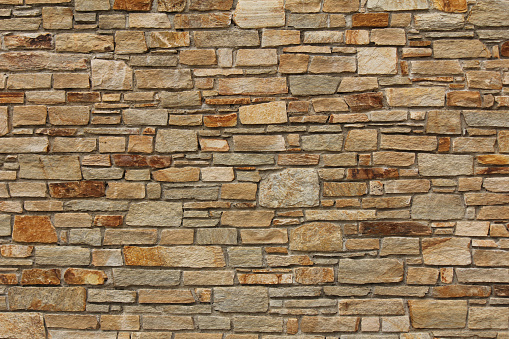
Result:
<point x="317" y="237"/>
<point x="241" y="299"/>
<point x="156" y="213"/>
<point x="22" y="325"/>
<point x="290" y="188"/>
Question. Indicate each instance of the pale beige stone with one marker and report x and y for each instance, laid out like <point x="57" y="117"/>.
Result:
<point x="454" y="49"/>
<point x="377" y="60"/>
<point x="290" y="188"/>
<point x="52" y="167"/>
<point x="317" y="237"/>
<point x="412" y="97"/>
<point x="217" y="174"/>
<point x="83" y="42"/>
<point x="29" y="81"/>
<point x="111" y="75"/>
<point x="149" y="20"/>
<point x="168" y="39"/>
<point x="267" y="113"/>
<point x="390" y="5"/>
<point x="446" y="251"/>
<point x="154" y="213"/>
<point x="258" y="143"/>
<point x="259" y="13"/>
<point x="358" y="84"/>
<point x="368" y="271"/>
<point x="22" y="325"/>
<point x="129" y="42"/>
<point x="256" y="57"/>
<point x="29" y="115"/>
<point x="438" y="313"/>
<point x="176" y="140"/>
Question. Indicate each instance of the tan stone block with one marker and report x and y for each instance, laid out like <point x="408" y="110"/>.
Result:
<point x="241" y="191"/>
<point x="321" y="237"/>
<point x="177" y="237"/>
<point x="314" y="275"/>
<point x="273" y="37"/>
<point x="29" y="81"/>
<point x="29" y="115"/>
<point x="252" y="86"/>
<point x="247" y="218"/>
<point x="293" y="63"/>
<point x="357" y="37"/>
<point x="169" y="39"/>
<point x="407" y="186"/>
<point x="393" y="158"/>
<point x="438" y="313"/>
<point x="57" y="17"/>
<point x="421" y="276"/>
<point x="130" y="42"/>
<point x="347" y="189"/>
<point x="140" y="144"/>
<point x="4" y="117"/>
<point x="457" y="6"/>
<point x="259" y="143"/>
<point x="111" y="144"/>
<point x="164" y="78"/>
<point x="332" y="64"/>
<point x="264" y="236"/>
<point x="454" y="49"/>
<point x="72" y="299"/>
<point x="83" y="42"/>
<point x="217" y="174"/>
<point x="371" y="307"/>
<point x="341" y="6"/>
<point x="123" y="322"/>
<point x="149" y="20"/>
<point x="74" y="145"/>
<point x="214" y="145"/>
<point x="171" y="5"/>
<point x="71" y="80"/>
<point x="361" y="140"/>
<point x="184" y="174"/>
<point x="22" y="325"/>
<point x="303" y="6"/>
<point x="209" y="20"/>
<point x="436" y="251"/>
<point x="389" y="36"/>
<point x="256" y="57"/>
<point x="176" y="256"/>
<point x="125" y="190"/>
<point x="39" y="276"/>
<point x="377" y="60"/>
<point x="267" y="113"/>
<point x="408" y="142"/>
<point x="165" y="297"/>
<point x="198" y="57"/>
<point x="484" y="79"/>
<point x="71" y="321"/>
<point x="16" y="251"/>
<point x="411" y="97"/>
<point x="208" y="5"/>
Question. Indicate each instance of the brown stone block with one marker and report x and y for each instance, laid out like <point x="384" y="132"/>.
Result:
<point x="314" y="275"/>
<point x="12" y="97"/>
<point x="225" y="120"/>
<point x="31" y="228"/>
<point x="77" y="189"/>
<point x="108" y="220"/>
<point x="464" y="99"/>
<point x="365" y="101"/>
<point x="135" y="160"/>
<point x="165" y="297"/>
<point x="461" y="291"/>
<point x="458" y="6"/>
<point x="133" y="5"/>
<point x="56" y="299"/>
<point x="394" y="228"/>
<point x="78" y="276"/>
<point x="37" y="276"/>
<point x="176" y="256"/>
<point x="371" y="173"/>
<point x="29" y="41"/>
<point x="370" y="20"/>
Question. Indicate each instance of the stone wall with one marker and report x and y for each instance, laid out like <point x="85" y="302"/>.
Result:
<point x="254" y="169"/>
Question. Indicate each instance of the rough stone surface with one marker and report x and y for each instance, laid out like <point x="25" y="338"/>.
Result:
<point x="254" y="169"/>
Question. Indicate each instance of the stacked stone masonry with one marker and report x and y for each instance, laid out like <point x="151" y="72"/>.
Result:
<point x="254" y="169"/>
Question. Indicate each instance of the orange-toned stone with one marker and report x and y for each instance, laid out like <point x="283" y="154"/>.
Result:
<point x="461" y="291"/>
<point x="37" y="276"/>
<point x="504" y="50"/>
<point x="371" y="173"/>
<point x="8" y="279"/>
<point x="265" y="279"/>
<point x="133" y="5"/>
<point x="459" y="6"/>
<point x="365" y="101"/>
<point x="32" y="228"/>
<point x="444" y="144"/>
<point x="225" y="120"/>
<point x="108" y="220"/>
<point x="370" y="20"/>
<point x="78" y="276"/>
<point x="228" y="101"/>
<point x="184" y="174"/>
<point x="12" y="97"/>
<point x="175" y="256"/>
<point x="77" y="189"/>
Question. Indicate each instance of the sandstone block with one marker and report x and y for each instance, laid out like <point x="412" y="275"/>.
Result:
<point x="49" y="167"/>
<point x="177" y="256"/>
<point x="144" y="277"/>
<point x="77" y="276"/>
<point x="305" y="85"/>
<point x="268" y="113"/>
<point x="377" y="60"/>
<point x="489" y="13"/>
<point x="230" y="38"/>
<point x="176" y="140"/>
<point x="290" y="188"/>
<point x="259" y="13"/>
<point x="319" y="237"/>
<point x="314" y="275"/>
<point x="437" y="207"/>
<point x="22" y="325"/>
<point x="438" y="313"/>
<point x="258" y="143"/>
<point x="33" y="229"/>
<point x="369" y="271"/>
<point x="371" y="307"/>
<point x="180" y="99"/>
<point x="437" y="251"/>
<point x="56" y="299"/>
<point x="163" y="78"/>
<point x="415" y="97"/>
<point x="241" y="299"/>
<point x="332" y="64"/>
<point x="111" y="75"/>
<point x="454" y="49"/>
<point x="154" y="213"/>
<point x="445" y="164"/>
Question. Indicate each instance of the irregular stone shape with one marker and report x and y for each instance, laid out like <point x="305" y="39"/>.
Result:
<point x="180" y="99"/>
<point x="133" y="5"/>
<point x="164" y="78"/>
<point x="305" y="85"/>
<point x="437" y="207"/>
<point x="31" y="228"/>
<point x="371" y="307"/>
<point x="24" y="145"/>
<point x="489" y="13"/>
<point x="230" y="38"/>
<point x="247" y="218"/>
<point x="446" y="251"/>
<point x="415" y="97"/>
<point x="111" y="75"/>
<point x="154" y="213"/>
<point x="78" y="276"/>
<point x="259" y="143"/>
<point x="443" y="122"/>
<point x="370" y="271"/>
<point x="36" y="61"/>
<point x="377" y="60"/>
<point x="454" y="49"/>
<point x="55" y="299"/>
<point x="317" y="237"/>
<point x="445" y="164"/>
<point x="267" y="113"/>
<point x="259" y="13"/>
<point x="176" y="140"/>
<point x="241" y="299"/>
<point x="77" y="189"/>
<point x="394" y="228"/>
<point x="143" y="277"/>
<point x="31" y="40"/>
<point x="290" y="188"/>
<point x="21" y="325"/>
<point x="49" y="167"/>
<point x="37" y="276"/>
<point x="83" y="42"/>
<point x="176" y="256"/>
<point x="438" y="314"/>
<point x="364" y="101"/>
